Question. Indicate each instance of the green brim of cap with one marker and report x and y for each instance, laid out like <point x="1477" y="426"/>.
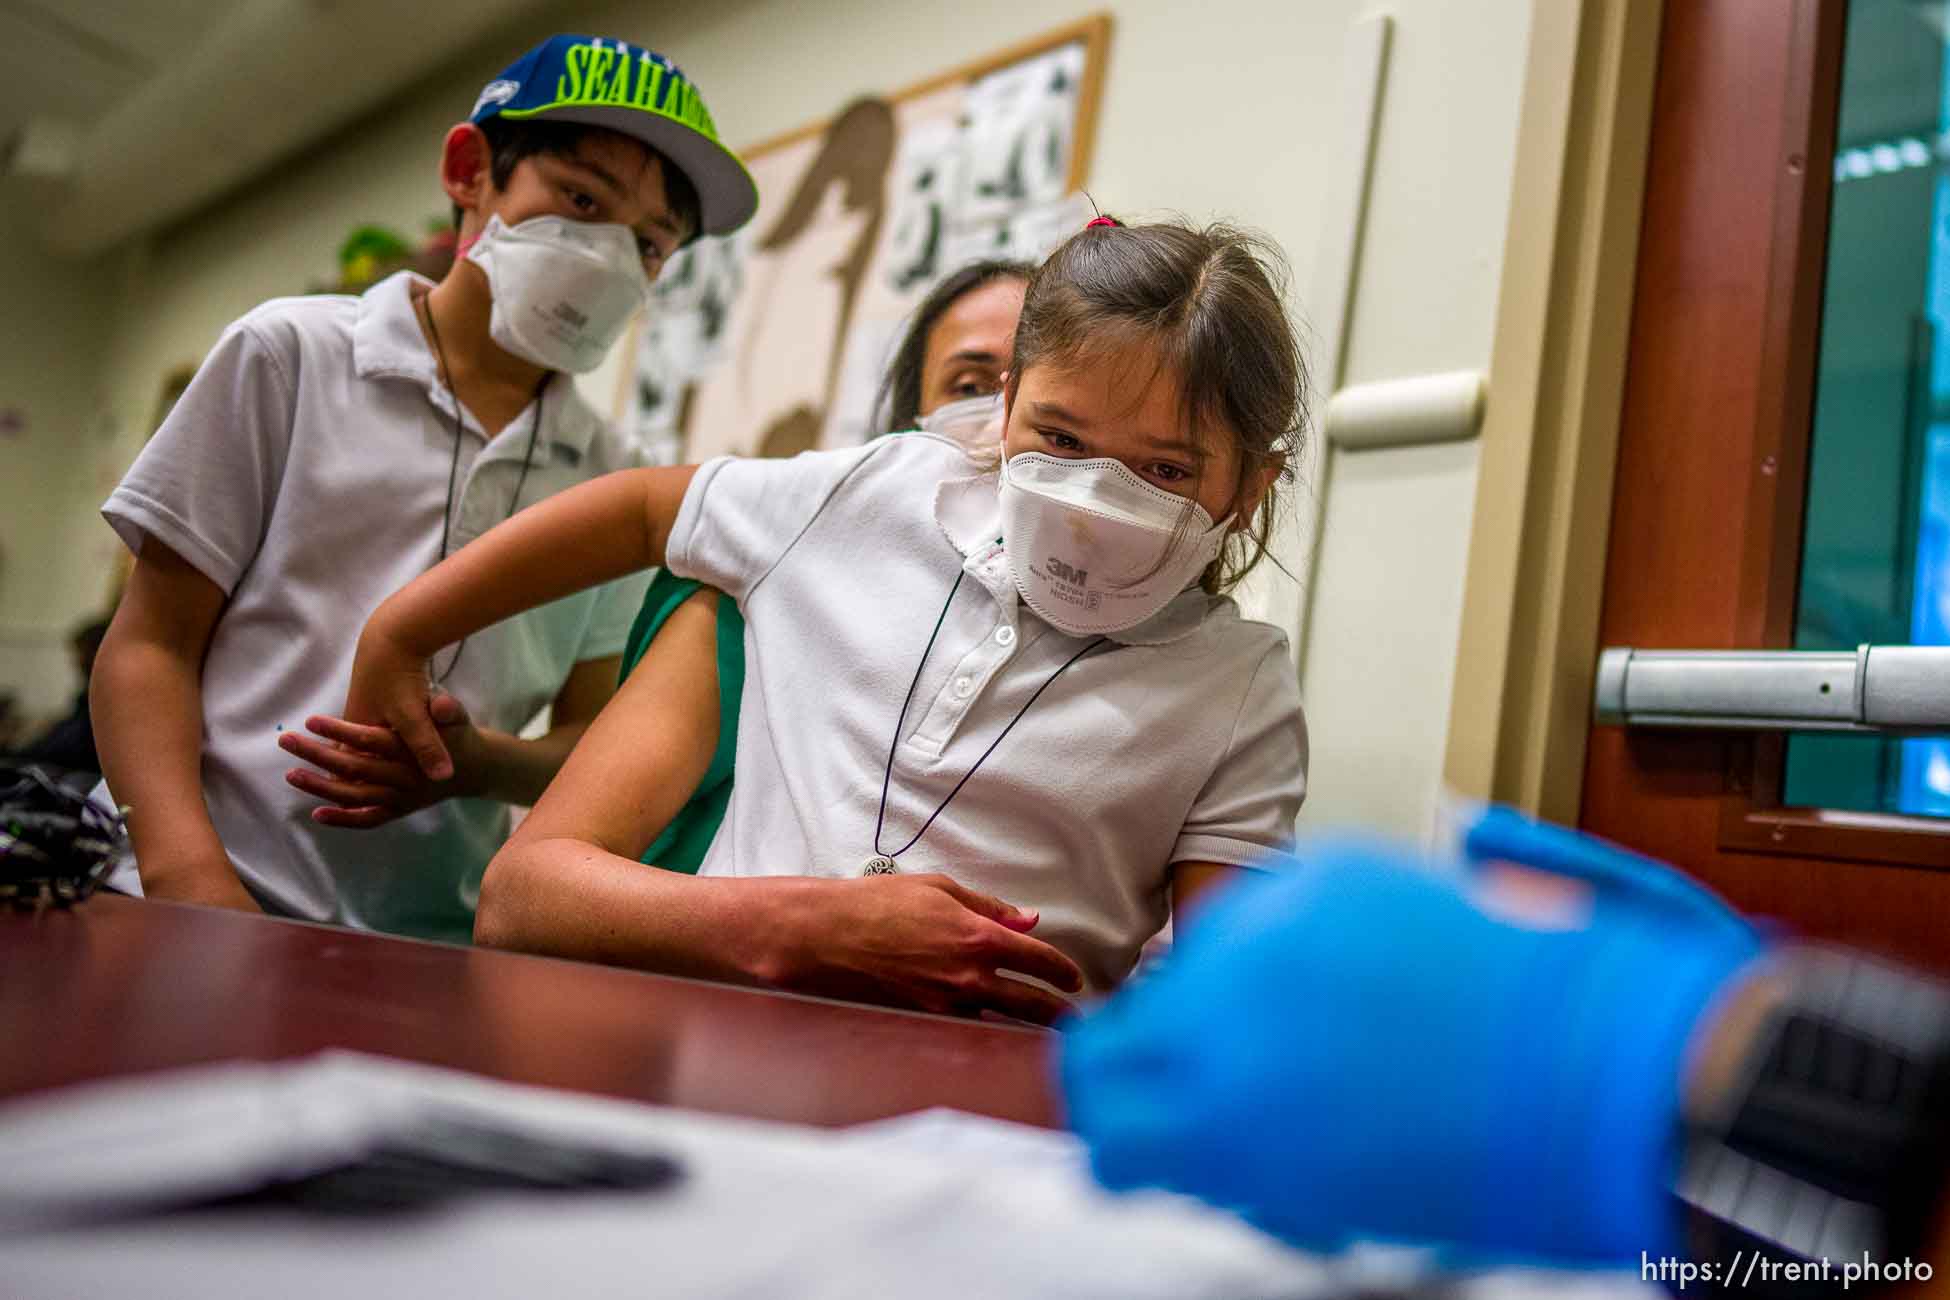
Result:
<point x="727" y="195"/>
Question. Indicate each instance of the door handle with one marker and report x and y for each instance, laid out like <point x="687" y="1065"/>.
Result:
<point x="1872" y="689"/>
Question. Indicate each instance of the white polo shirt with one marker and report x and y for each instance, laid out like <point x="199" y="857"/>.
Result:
<point x="305" y="473"/>
<point x="1181" y="740"/>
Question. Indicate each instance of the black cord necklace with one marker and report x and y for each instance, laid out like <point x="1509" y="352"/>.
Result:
<point x="453" y="464"/>
<point x="882" y="863"/>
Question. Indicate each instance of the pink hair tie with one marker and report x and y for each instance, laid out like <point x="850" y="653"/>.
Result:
<point x="1101" y="221"/>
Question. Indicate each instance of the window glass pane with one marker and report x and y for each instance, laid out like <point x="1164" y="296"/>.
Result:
<point x="1876" y="552"/>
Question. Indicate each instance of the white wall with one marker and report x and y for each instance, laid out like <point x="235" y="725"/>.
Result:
<point x="1387" y="606"/>
<point x="1221" y="108"/>
<point x="53" y="328"/>
<point x="1386" y="603"/>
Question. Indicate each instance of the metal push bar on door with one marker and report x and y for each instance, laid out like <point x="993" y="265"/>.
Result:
<point x="1888" y="688"/>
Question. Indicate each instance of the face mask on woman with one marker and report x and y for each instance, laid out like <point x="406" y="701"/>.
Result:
<point x="974" y="422"/>
<point x="1096" y="549"/>
<point x="563" y="290"/>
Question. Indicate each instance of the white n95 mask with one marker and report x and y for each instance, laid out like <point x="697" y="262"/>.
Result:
<point x="1094" y="548"/>
<point x="974" y="422"/>
<point x="563" y="290"/>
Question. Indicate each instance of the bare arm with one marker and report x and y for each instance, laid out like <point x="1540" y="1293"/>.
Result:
<point x="1191" y="880"/>
<point x="367" y="777"/>
<point x="517" y="770"/>
<point x="593" y="533"/>
<point x="146" y="699"/>
<point x="569" y="883"/>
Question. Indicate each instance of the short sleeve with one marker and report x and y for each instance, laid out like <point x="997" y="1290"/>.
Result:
<point x="740" y="516"/>
<point x="614" y="613"/>
<point x="205" y="485"/>
<point x="1249" y="803"/>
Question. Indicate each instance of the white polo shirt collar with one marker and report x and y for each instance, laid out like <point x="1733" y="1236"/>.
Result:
<point x="387" y="344"/>
<point x="969" y="513"/>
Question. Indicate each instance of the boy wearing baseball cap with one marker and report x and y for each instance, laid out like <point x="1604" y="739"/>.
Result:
<point x="332" y="448"/>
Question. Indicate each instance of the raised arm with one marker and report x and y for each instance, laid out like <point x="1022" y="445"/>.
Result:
<point x="574" y="540"/>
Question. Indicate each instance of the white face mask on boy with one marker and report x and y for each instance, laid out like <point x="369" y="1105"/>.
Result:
<point x="563" y="290"/>
<point x="1091" y="545"/>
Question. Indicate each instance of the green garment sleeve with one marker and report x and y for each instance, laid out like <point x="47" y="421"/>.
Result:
<point x="682" y="844"/>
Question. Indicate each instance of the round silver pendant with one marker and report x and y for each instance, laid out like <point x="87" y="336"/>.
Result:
<point x="878" y="865"/>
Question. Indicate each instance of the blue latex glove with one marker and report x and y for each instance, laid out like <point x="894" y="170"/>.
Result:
<point x="1356" y="1049"/>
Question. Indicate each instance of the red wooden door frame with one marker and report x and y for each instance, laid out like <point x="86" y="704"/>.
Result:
<point x="1712" y="476"/>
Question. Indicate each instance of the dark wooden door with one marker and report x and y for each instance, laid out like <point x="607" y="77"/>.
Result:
<point x="1713" y="470"/>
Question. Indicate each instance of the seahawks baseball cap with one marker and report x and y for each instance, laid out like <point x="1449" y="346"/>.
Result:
<point x="624" y="87"/>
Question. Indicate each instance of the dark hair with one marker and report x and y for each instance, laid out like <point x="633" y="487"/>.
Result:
<point x="511" y="141"/>
<point x="899" y="403"/>
<point x="1211" y="301"/>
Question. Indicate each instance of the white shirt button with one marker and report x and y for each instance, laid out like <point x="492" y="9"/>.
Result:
<point x="964" y="686"/>
<point x="1005" y="636"/>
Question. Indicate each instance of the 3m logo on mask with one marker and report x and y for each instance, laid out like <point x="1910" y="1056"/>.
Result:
<point x="1064" y="573"/>
<point x="569" y="315"/>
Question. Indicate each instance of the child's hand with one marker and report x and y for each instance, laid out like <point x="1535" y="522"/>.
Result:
<point x="389" y="689"/>
<point x="930" y="942"/>
<point x="368" y="777"/>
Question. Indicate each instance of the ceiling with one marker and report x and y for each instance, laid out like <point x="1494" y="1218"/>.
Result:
<point x="132" y="113"/>
<point x="76" y="59"/>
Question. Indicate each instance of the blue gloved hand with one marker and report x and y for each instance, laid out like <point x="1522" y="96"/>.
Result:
<point x="1365" y="1047"/>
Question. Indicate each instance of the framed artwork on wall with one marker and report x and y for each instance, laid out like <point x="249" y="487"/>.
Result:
<point x="773" y="340"/>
